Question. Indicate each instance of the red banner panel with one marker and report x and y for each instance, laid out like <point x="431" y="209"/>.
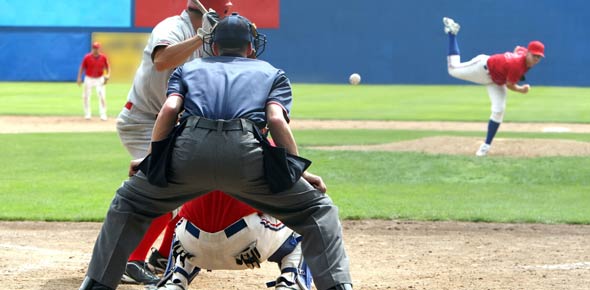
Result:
<point x="264" y="13"/>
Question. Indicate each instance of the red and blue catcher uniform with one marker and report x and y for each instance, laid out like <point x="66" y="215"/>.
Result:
<point x="215" y="211"/>
<point x="220" y="232"/>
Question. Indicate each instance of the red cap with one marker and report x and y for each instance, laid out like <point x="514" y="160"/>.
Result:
<point x="537" y="48"/>
<point x="96" y="44"/>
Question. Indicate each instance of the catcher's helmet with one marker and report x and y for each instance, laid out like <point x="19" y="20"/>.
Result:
<point x="235" y="31"/>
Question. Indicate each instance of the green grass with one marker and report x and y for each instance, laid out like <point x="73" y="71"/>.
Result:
<point x="365" y="102"/>
<point x="437" y="103"/>
<point x="74" y="177"/>
<point x="56" y="99"/>
<point x="59" y="176"/>
<point x="441" y="187"/>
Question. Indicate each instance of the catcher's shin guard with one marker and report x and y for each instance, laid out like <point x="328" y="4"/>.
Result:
<point x="295" y="273"/>
<point x="182" y="272"/>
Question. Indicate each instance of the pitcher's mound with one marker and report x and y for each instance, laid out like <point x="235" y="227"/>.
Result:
<point x="468" y="146"/>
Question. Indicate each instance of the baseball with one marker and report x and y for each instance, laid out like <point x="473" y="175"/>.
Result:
<point x="354" y="79"/>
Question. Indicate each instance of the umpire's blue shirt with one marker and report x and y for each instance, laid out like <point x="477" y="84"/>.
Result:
<point x="228" y="87"/>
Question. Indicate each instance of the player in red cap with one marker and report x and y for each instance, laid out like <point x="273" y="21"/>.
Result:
<point x="94" y="66"/>
<point x="496" y="72"/>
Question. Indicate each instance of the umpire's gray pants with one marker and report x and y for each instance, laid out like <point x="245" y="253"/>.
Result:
<point x="204" y="160"/>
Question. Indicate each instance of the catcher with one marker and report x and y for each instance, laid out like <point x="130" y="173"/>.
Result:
<point x="216" y="231"/>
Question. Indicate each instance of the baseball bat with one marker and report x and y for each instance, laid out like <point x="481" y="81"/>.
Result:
<point x="200" y="5"/>
<point x="228" y="7"/>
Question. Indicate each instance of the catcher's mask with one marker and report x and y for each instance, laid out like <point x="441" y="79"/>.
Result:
<point x="234" y="31"/>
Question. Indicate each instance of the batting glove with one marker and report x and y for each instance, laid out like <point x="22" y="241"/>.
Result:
<point x="201" y="33"/>
<point x="210" y="19"/>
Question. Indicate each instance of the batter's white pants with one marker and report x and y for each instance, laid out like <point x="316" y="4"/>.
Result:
<point x="89" y="83"/>
<point x="135" y="130"/>
<point x="475" y="71"/>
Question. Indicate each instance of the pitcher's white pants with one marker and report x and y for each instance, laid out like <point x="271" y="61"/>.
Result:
<point x="475" y="71"/>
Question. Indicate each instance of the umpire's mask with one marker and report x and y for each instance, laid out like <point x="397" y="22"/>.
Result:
<point x="235" y="31"/>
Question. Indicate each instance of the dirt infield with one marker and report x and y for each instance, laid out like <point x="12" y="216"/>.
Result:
<point x="30" y="124"/>
<point x="432" y="145"/>
<point x="383" y="254"/>
<point x="467" y="146"/>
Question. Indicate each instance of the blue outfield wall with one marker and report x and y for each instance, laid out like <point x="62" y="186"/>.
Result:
<point x="46" y="56"/>
<point x="402" y="42"/>
<point x="386" y="41"/>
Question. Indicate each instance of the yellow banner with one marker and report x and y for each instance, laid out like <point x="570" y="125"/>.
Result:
<point x="123" y="51"/>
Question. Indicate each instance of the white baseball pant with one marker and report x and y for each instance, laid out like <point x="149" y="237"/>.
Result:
<point x="89" y="83"/>
<point x="476" y="71"/>
<point x="218" y="250"/>
<point x="135" y="130"/>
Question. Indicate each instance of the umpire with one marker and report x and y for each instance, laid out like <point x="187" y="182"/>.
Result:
<point x="224" y="98"/>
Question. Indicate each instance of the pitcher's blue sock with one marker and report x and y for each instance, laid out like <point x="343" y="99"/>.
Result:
<point x="453" y="45"/>
<point x="492" y="129"/>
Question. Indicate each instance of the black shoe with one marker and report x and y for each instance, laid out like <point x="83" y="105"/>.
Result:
<point x="157" y="262"/>
<point x="90" y="284"/>
<point x="137" y="272"/>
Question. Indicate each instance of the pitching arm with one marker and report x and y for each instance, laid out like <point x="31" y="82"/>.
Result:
<point x="518" y="88"/>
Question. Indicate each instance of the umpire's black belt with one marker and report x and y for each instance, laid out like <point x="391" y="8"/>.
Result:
<point x="220" y="125"/>
<point x="229" y="231"/>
